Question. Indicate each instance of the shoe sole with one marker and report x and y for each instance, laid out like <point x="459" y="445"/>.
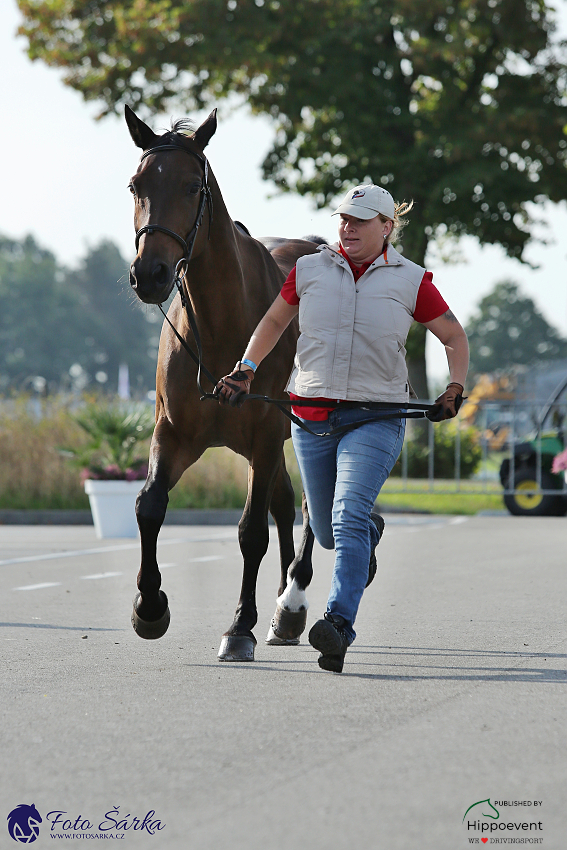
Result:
<point x="323" y="636"/>
<point x="331" y="663"/>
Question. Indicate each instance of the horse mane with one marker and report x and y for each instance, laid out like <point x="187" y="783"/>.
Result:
<point x="180" y="127"/>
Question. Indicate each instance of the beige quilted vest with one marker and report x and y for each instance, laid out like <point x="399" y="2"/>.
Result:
<point x="352" y="335"/>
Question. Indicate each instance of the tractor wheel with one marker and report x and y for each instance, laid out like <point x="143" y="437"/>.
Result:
<point x="529" y="500"/>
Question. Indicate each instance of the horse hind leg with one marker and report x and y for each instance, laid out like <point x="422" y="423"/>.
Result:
<point x="238" y="643"/>
<point x="282" y="508"/>
<point x="290" y="618"/>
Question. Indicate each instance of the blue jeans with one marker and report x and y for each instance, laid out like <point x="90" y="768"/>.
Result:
<point x="342" y="477"/>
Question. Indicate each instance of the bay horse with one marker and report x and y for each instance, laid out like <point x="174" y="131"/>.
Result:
<point x="229" y="279"/>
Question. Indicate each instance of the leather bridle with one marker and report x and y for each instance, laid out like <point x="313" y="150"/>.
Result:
<point x="187" y="244"/>
<point x="206" y="198"/>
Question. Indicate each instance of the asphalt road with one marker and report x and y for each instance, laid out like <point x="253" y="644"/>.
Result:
<point x="454" y="693"/>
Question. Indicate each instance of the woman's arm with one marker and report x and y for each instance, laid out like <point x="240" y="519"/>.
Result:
<point x="449" y="331"/>
<point x="270" y="329"/>
<point x="264" y="338"/>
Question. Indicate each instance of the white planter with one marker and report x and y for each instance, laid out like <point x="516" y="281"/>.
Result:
<point x="113" y="506"/>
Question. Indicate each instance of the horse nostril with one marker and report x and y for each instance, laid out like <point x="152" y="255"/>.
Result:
<point x="160" y="274"/>
<point x="133" y="281"/>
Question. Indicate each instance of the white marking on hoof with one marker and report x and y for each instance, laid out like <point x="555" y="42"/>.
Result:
<point x="293" y="598"/>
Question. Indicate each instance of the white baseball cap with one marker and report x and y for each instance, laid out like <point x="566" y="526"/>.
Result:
<point x="366" y="201"/>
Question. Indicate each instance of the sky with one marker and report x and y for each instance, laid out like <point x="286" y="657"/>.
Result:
<point x="65" y="177"/>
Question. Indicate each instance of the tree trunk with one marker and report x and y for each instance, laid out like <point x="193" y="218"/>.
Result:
<point x="417" y="367"/>
<point x="414" y="248"/>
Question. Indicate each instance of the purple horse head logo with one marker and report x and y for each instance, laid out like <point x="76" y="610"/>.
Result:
<point x="23" y="823"/>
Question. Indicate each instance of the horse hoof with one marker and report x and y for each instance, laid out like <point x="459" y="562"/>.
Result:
<point x="150" y="629"/>
<point x="286" y="627"/>
<point x="237" y="648"/>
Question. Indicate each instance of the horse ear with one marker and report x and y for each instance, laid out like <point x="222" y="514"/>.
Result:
<point x="142" y="135"/>
<point x="206" y="131"/>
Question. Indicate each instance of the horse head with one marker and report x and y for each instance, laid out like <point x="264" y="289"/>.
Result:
<point x="171" y="195"/>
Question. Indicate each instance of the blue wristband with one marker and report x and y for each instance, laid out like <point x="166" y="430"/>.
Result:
<point x="249" y="363"/>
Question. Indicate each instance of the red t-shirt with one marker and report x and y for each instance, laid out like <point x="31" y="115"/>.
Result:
<point x="429" y="305"/>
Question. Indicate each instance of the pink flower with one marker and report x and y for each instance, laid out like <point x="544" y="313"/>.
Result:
<point x="139" y="474"/>
<point x="559" y="462"/>
<point x="112" y="472"/>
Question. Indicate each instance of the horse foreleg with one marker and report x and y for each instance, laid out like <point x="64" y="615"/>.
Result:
<point x="150" y="615"/>
<point x="289" y="621"/>
<point x="238" y="642"/>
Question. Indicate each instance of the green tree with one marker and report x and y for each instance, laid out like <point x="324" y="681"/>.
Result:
<point x="458" y="105"/>
<point x="114" y="324"/>
<point x="36" y="340"/>
<point x="62" y="328"/>
<point x="509" y="330"/>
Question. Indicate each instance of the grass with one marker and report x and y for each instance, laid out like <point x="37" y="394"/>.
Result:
<point x="441" y="503"/>
<point x="218" y="480"/>
<point x="469" y="498"/>
<point x="34" y="475"/>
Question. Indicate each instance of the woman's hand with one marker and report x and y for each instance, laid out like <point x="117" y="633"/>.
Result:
<point x="447" y="404"/>
<point x="238" y="381"/>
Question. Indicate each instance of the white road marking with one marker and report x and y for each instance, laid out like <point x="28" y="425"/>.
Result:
<point x="207" y="558"/>
<point x="51" y="556"/>
<point x="194" y="560"/>
<point x="101" y="575"/>
<point x="96" y="576"/>
<point x="39" y="586"/>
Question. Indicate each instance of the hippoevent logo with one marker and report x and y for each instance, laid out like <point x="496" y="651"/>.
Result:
<point x="23" y="823"/>
<point x="485" y="821"/>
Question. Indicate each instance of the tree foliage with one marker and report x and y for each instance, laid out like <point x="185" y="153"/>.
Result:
<point x="458" y="105"/>
<point x="508" y="330"/>
<point x="114" y="322"/>
<point x="444" y="455"/>
<point x="63" y="328"/>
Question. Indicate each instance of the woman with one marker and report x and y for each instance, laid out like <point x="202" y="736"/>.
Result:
<point x="356" y="302"/>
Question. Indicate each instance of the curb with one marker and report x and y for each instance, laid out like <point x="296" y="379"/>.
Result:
<point x="173" y="517"/>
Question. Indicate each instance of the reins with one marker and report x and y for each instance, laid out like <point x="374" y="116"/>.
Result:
<point x="389" y="410"/>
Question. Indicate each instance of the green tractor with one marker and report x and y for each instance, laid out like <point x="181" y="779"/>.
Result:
<point x="531" y="488"/>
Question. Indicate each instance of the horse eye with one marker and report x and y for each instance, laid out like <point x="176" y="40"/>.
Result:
<point x="192" y="190"/>
<point x="132" y="189"/>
